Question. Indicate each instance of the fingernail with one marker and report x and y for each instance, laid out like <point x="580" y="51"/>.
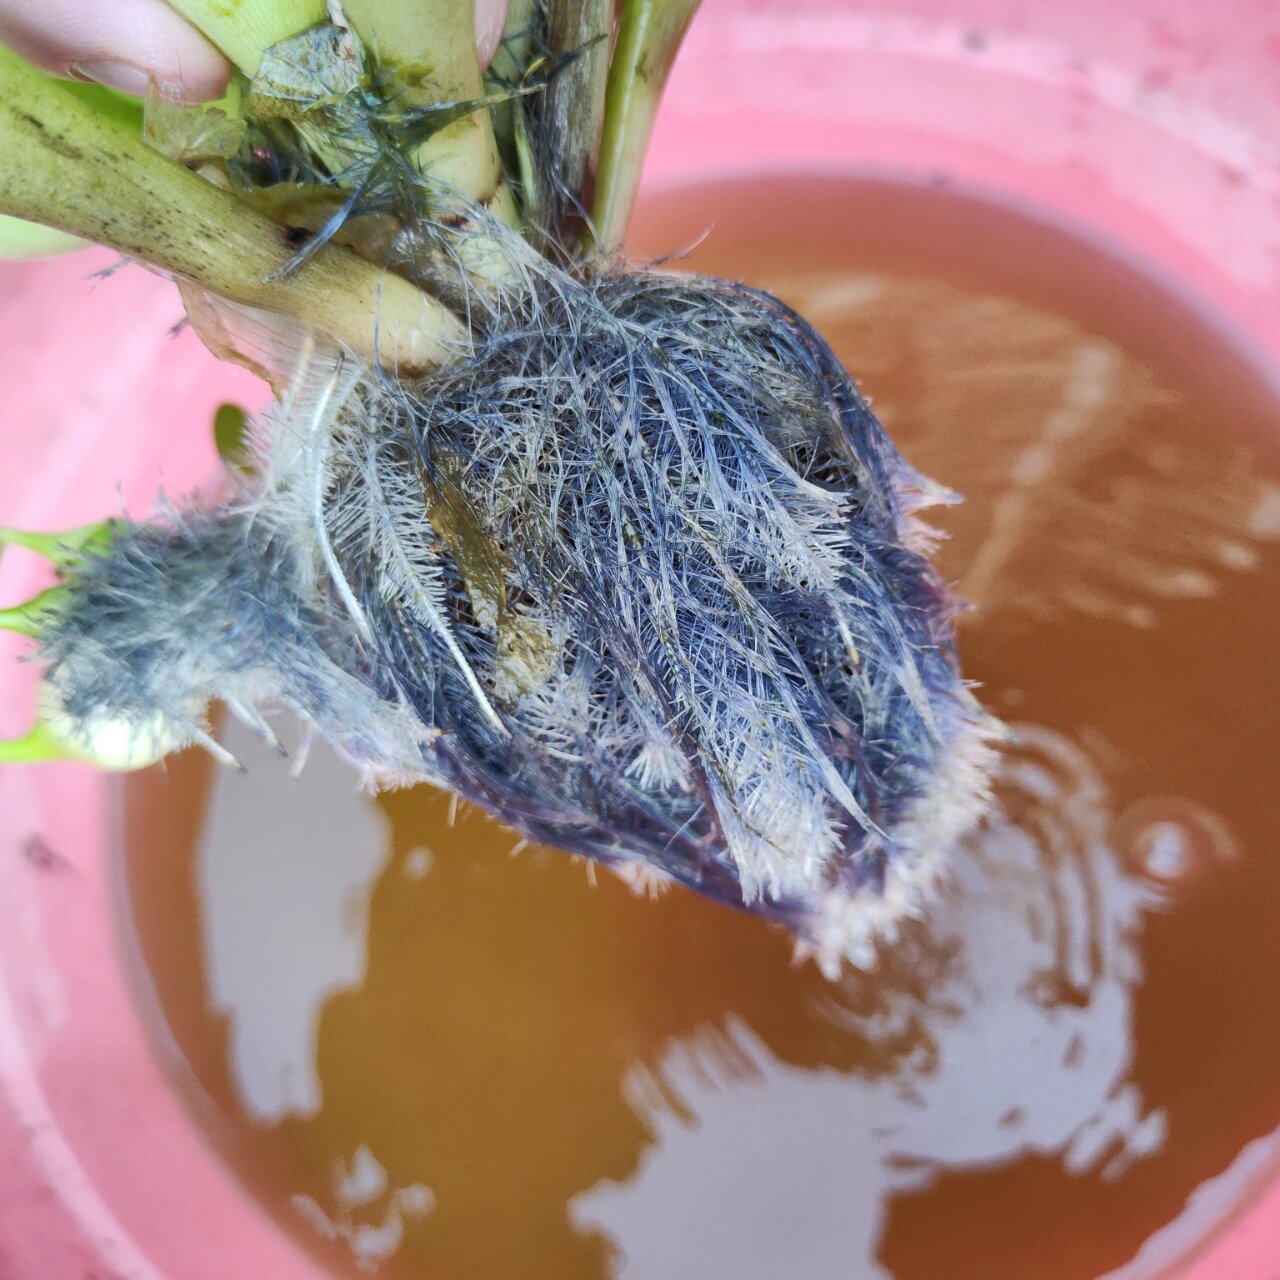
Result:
<point x="115" y="75"/>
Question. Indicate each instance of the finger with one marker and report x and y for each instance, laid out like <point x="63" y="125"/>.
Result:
<point x="121" y="43"/>
<point x="491" y="17"/>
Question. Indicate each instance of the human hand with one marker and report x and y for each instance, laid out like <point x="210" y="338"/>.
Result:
<point x="127" y="43"/>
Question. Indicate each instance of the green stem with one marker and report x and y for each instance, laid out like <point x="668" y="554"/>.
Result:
<point x="19" y="239"/>
<point x="63" y="165"/>
<point x="427" y="48"/>
<point x="242" y="29"/>
<point x="649" y="36"/>
<point x="571" y="109"/>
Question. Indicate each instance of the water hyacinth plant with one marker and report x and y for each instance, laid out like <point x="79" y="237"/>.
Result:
<point x="622" y="556"/>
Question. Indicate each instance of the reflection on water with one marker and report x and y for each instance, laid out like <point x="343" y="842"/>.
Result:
<point x="766" y="1118"/>
<point x="1011" y="1018"/>
<point x="367" y="1215"/>
<point x="1076" y="496"/>
<point x="429" y="1057"/>
<point x="274" y="955"/>
<point x="1004" y="1028"/>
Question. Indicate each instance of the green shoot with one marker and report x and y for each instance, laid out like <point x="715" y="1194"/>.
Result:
<point x="649" y="36"/>
<point x="25" y="619"/>
<point x="230" y="424"/>
<point x="39" y="746"/>
<point x="63" y="550"/>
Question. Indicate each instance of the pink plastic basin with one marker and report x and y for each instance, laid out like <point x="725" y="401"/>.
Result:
<point x="1153" y="123"/>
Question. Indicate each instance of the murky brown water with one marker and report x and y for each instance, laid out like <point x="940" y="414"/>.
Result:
<point x="429" y="1056"/>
